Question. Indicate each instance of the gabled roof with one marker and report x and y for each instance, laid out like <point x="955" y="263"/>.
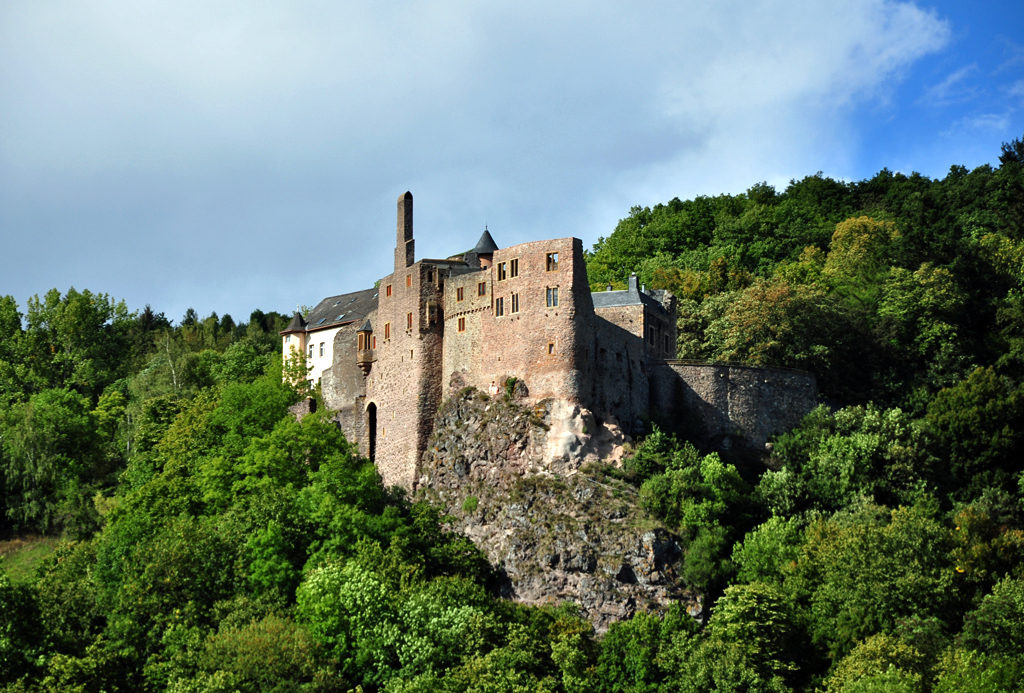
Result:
<point x="343" y="309"/>
<point x="486" y="244"/>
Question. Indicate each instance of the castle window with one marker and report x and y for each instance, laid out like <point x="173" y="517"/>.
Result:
<point x="387" y="290"/>
<point x="287" y="338"/>
<point x="499" y="307"/>
<point x="387" y="331"/>
<point x="408" y="280"/>
<point x="515" y="303"/>
<point x="551" y="348"/>
<point x="375" y="340"/>
<point x="552" y="297"/>
<point x="459" y="295"/>
<point x="462" y="324"/>
<point x="666" y="344"/>
<point x="481" y="289"/>
<point x="502" y="271"/>
<point x="321" y="348"/>
<point x="430" y="276"/>
<point x="513" y="268"/>
<point x="408" y="321"/>
<point x="361" y="338"/>
<point x="552" y="264"/>
<point x="310" y="351"/>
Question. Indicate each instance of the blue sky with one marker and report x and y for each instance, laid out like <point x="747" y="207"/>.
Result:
<point x="237" y="155"/>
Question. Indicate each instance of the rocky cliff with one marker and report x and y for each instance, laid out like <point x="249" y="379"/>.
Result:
<point x="524" y="482"/>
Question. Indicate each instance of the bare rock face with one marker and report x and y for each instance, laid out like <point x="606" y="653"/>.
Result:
<point x="517" y="480"/>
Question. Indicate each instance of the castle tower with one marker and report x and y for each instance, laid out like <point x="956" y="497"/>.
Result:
<point x="405" y="245"/>
<point x="403" y="383"/>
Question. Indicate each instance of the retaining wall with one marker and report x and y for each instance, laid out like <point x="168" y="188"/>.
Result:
<point x="736" y="406"/>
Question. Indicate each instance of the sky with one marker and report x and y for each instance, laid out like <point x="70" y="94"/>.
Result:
<point x="235" y="155"/>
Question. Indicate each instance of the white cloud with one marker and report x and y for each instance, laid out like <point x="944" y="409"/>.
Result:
<point x="953" y="89"/>
<point x="204" y="134"/>
<point x="980" y="122"/>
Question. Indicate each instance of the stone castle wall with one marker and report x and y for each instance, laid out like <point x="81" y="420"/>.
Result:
<point x="617" y="374"/>
<point x="343" y="386"/>
<point x="735" y="406"/>
<point x="404" y="384"/>
<point x="462" y="350"/>
<point x="538" y="344"/>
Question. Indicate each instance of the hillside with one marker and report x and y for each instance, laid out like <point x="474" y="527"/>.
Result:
<point x="212" y="541"/>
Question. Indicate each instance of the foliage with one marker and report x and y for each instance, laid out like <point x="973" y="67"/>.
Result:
<point x="832" y="460"/>
<point x="212" y="542"/>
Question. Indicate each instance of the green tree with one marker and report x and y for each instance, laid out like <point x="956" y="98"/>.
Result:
<point x="48" y="454"/>
<point x="997" y="626"/>
<point x="75" y="341"/>
<point x="978" y="423"/>
<point x="863" y="572"/>
<point x="20" y="634"/>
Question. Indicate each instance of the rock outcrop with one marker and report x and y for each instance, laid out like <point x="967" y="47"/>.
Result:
<point x="520" y="481"/>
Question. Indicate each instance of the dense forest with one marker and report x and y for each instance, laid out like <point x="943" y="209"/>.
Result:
<point x="211" y="542"/>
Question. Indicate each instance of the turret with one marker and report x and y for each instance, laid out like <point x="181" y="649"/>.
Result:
<point x="364" y="347"/>
<point x="483" y="254"/>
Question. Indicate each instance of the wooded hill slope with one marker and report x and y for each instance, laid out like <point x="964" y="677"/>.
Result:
<point x="213" y="543"/>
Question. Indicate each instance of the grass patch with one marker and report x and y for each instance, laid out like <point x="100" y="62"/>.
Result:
<point x="22" y="556"/>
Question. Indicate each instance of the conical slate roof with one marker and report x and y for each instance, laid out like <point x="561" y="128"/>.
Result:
<point x="366" y="327"/>
<point x="486" y="244"/>
<point x="297" y="324"/>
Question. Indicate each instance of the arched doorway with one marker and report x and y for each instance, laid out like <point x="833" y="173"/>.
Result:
<point x="371" y="429"/>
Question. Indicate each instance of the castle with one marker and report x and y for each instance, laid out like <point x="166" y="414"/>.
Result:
<point x="386" y="357"/>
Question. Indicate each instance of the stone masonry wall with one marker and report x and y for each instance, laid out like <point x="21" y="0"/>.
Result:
<point x="618" y="383"/>
<point x="343" y="385"/>
<point x="462" y="350"/>
<point x="539" y="345"/>
<point x="405" y="381"/>
<point x="737" y="406"/>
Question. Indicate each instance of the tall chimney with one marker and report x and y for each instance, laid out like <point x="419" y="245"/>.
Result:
<point x="404" y="248"/>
